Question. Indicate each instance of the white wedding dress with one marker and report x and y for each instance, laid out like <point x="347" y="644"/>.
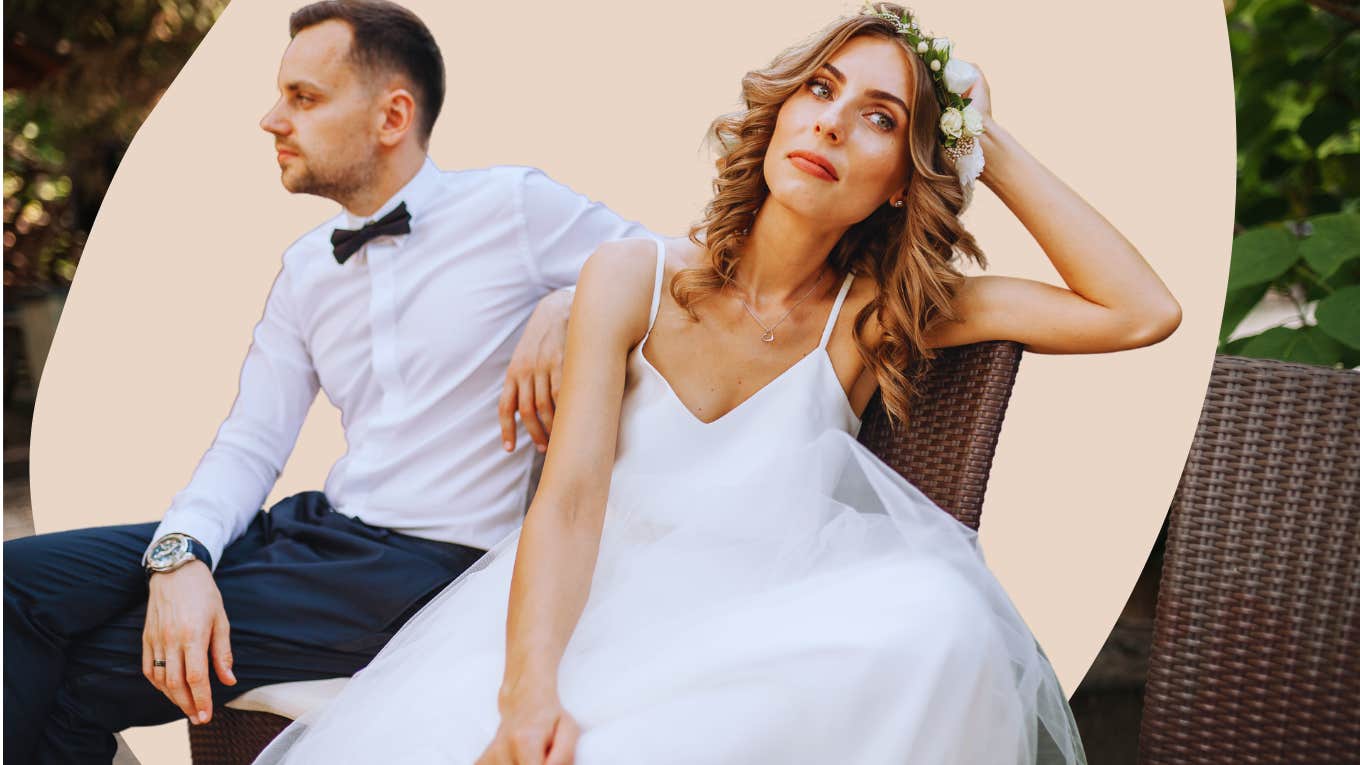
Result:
<point x="767" y="591"/>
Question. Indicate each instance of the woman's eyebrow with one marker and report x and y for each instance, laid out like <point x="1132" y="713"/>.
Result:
<point x="886" y="96"/>
<point x="875" y="93"/>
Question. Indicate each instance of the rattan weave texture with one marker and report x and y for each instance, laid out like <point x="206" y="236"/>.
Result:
<point x="1254" y="647"/>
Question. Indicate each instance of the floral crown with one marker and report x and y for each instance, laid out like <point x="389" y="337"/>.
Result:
<point x="960" y="122"/>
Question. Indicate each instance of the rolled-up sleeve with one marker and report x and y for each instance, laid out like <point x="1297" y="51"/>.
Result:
<point x="277" y="386"/>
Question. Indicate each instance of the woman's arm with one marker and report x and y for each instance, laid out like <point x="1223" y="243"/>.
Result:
<point x="560" y="539"/>
<point x="1115" y="301"/>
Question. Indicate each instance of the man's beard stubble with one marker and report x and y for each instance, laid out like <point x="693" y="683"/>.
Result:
<point x="339" y="183"/>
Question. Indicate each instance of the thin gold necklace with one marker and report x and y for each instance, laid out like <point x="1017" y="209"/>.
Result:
<point x="769" y="330"/>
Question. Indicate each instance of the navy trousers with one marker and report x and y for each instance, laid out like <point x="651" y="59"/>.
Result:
<point x="309" y="593"/>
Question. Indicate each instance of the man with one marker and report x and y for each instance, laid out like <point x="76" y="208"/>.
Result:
<point x="404" y="309"/>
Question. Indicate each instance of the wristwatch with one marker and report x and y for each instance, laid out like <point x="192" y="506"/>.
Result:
<point x="172" y="551"/>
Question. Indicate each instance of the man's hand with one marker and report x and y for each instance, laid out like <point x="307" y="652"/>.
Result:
<point x="535" y="372"/>
<point x="185" y="623"/>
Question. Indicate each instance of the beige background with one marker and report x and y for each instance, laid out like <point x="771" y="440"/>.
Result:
<point x="1133" y="108"/>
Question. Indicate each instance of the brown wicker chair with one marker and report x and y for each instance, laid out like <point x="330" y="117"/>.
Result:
<point x="1254" y="646"/>
<point x="955" y="423"/>
<point x="947" y="453"/>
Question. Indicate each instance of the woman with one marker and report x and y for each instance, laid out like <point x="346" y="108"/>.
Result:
<point x="713" y="570"/>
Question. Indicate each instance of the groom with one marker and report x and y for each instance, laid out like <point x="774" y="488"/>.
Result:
<point x="404" y="309"/>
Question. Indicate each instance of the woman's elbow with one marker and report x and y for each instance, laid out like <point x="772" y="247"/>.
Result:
<point x="1157" y="325"/>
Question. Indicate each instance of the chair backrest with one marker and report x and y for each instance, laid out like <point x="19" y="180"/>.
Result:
<point x="950" y="441"/>
<point x="1254" y="644"/>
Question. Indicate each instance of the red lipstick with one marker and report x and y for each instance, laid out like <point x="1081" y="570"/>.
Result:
<point x="814" y="164"/>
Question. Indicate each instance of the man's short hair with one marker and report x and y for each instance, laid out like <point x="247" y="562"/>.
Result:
<point x="387" y="37"/>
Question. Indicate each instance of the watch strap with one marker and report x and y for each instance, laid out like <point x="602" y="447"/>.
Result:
<point x="196" y="548"/>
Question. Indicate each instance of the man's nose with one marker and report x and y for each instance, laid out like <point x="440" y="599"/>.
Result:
<point x="273" y="122"/>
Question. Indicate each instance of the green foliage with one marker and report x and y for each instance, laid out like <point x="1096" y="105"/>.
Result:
<point x="79" y="80"/>
<point x="1261" y="255"/>
<point x="1298" y="177"/>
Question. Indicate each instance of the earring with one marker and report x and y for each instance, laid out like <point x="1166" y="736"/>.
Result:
<point x="899" y="203"/>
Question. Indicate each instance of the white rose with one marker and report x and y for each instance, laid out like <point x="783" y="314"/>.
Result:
<point x="951" y="122"/>
<point x="922" y="47"/>
<point x="935" y="65"/>
<point x="941" y="43"/>
<point x="959" y="75"/>
<point x="972" y="121"/>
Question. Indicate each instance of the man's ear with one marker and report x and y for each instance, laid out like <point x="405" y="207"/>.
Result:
<point x="398" y="116"/>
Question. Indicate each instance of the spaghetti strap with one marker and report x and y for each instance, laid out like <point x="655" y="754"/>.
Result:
<point x="656" y="287"/>
<point x="836" y="310"/>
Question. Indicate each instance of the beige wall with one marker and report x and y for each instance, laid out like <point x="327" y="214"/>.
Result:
<point x="1131" y="105"/>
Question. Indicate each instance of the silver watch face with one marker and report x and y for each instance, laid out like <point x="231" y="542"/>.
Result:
<point x="169" y="551"/>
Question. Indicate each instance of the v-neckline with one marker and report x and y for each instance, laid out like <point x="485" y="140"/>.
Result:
<point x="821" y="350"/>
<point x="706" y="423"/>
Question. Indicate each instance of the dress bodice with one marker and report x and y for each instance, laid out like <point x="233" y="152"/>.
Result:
<point x="659" y="434"/>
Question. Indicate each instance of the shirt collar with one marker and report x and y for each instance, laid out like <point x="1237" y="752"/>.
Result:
<point x="416" y="193"/>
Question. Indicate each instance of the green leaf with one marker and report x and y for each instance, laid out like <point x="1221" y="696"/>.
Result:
<point x="1338" y="315"/>
<point x="1234" y="348"/>
<point x="1260" y="255"/>
<point x="1306" y="345"/>
<point x="1238" y="305"/>
<point x="1335" y="240"/>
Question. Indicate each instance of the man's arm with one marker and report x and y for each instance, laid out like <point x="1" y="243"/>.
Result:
<point x="186" y="623"/>
<point x="277" y="386"/>
<point x="562" y="229"/>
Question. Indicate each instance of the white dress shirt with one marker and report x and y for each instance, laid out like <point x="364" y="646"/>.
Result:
<point x="410" y="338"/>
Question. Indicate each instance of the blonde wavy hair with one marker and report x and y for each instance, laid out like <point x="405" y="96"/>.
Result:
<point x="909" y="252"/>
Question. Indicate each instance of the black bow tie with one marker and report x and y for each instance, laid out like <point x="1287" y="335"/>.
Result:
<point x="345" y="242"/>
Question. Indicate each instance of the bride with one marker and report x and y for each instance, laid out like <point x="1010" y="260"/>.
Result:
<point x="713" y="569"/>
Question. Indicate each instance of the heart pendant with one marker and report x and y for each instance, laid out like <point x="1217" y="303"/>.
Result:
<point x="768" y="336"/>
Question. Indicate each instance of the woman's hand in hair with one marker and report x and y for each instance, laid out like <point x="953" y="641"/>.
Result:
<point x="981" y="93"/>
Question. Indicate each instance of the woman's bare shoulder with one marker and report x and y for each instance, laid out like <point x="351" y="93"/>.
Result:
<point x="615" y="286"/>
<point x="681" y="253"/>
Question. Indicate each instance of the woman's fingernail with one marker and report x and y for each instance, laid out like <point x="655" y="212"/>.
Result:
<point x="542" y="448"/>
<point x="202" y="716"/>
<point x="508" y="446"/>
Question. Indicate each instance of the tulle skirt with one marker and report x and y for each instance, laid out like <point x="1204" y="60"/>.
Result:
<point x="819" y="609"/>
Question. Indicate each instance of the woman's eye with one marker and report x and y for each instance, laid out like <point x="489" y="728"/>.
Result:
<point x="883" y="121"/>
<point x="819" y="89"/>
